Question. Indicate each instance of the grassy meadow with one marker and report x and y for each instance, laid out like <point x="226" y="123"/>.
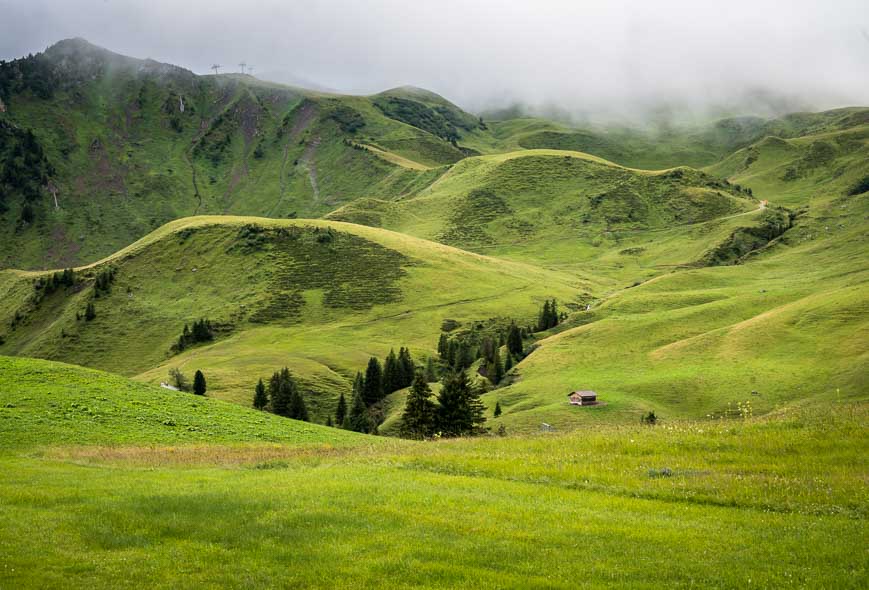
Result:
<point x="772" y="502"/>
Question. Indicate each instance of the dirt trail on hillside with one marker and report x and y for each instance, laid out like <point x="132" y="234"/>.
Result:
<point x="303" y="119"/>
<point x="310" y="163"/>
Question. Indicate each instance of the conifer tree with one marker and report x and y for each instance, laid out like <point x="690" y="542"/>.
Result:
<point x="465" y="356"/>
<point x="341" y="410"/>
<point x="443" y="346"/>
<point x="452" y="416"/>
<point x="408" y="369"/>
<point x="514" y="341"/>
<point x="452" y="352"/>
<point x="391" y="373"/>
<point x="497" y="409"/>
<point x="372" y="387"/>
<point x="199" y="383"/>
<point x="543" y="318"/>
<point x="487" y="350"/>
<point x="90" y="311"/>
<point x="431" y="374"/>
<point x="508" y="363"/>
<point x="282" y="394"/>
<point x="358" y="419"/>
<point x="273" y="388"/>
<point x="260" y="399"/>
<point x="476" y="409"/>
<point x="418" y="420"/>
<point x="297" y="409"/>
<point x="496" y="369"/>
<point x="461" y="410"/>
<point x="358" y="385"/>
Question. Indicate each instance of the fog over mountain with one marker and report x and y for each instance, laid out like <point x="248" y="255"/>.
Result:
<point x="623" y="58"/>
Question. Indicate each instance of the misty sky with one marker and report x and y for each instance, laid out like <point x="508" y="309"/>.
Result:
<point x="579" y="55"/>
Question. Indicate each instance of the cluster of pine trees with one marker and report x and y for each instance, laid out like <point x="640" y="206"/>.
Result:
<point x="459" y="411"/>
<point x="53" y="282"/>
<point x="34" y="73"/>
<point x="379" y="380"/>
<point x="104" y="280"/>
<point x="282" y="396"/>
<point x="548" y="317"/>
<point x="202" y="332"/>
<point x="460" y="352"/>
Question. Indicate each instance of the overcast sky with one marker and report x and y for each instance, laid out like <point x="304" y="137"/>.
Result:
<point x="579" y="55"/>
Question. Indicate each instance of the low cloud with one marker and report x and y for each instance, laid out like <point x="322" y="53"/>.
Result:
<point x="612" y="58"/>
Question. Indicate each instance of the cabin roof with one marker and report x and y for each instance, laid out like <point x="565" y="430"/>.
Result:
<point x="583" y="393"/>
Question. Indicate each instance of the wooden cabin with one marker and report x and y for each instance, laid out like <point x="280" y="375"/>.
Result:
<point x="582" y="398"/>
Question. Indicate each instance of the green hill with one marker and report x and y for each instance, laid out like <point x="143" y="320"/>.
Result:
<point x="570" y="209"/>
<point x="48" y="403"/>
<point x="98" y="149"/>
<point x="317" y="296"/>
<point x="662" y="146"/>
<point x="693" y="342"/>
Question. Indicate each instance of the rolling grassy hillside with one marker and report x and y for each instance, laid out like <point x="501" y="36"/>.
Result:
<point x="570" y="210"/>
<point x="49" y="403"/>
<point x="656" y="146"/>
<point x="104" y="148"/>
<point x="789" y="323"/>
<point x="121" y="499"/>
<point x="317" y="296"/>
<point x="742" y="324"/>
<point x="653" y="251"/>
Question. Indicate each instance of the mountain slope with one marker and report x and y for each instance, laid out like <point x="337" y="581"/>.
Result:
<point x="317" y="296"/>
<point x="569" y="209"/>
<point x="131" y="144"/>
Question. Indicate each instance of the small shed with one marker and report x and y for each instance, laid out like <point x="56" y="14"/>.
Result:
<point x="582" y="398"/>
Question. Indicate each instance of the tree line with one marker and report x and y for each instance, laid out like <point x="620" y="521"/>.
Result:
<point x="282" y="396"/>
<point x="202" y="331"/>
<point x="365" y="410"/>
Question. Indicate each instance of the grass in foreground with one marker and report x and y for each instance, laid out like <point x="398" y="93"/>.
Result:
<point x="772" y="502"/>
